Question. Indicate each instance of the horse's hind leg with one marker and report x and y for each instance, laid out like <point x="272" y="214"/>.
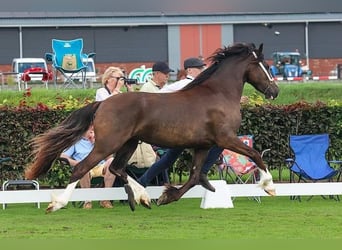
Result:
<point x="61" y="200"/>
<point x="135" y="192"/>
<point x="172" y="193"/>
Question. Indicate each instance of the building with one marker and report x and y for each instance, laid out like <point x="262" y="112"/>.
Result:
<point x="130" y="33"/>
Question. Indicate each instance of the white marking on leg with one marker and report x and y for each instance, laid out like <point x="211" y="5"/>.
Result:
<point x="266" y="181"/>
<point x="138" y="190"/>
<point x="61" y="200"/>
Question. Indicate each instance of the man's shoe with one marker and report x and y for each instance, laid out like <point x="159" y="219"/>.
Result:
<point x="106" y="204"/>
<point x="87" y="205"/>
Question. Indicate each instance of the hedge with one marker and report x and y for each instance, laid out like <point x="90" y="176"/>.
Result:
<point x="270" y="125"/>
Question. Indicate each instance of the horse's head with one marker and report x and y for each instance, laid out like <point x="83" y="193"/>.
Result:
<point x="258" y="74"/>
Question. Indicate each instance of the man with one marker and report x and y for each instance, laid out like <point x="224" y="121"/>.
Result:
<point x="160" y="76"/>
<point x="193" y="66"/>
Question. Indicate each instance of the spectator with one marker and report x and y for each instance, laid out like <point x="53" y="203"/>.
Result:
<point x="77" y="153"/>
<point x="193" y="67"/>
<point x="181" y="74"/>
<point x="113" y="80"/>
<point x="160" y="76"/>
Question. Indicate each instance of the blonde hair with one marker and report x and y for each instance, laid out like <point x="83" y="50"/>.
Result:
<point x="108" y="73"/>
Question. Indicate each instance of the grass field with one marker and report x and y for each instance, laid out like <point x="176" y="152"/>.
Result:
<point x="274" y="218"/>
<point x="289" y="93"/>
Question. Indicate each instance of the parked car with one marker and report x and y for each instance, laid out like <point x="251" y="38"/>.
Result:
<point x="20" y="65"/>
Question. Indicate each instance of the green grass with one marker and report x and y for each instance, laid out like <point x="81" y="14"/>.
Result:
<point x="309" y="92"/>
<point x="274" y="218"/>
<point x="289" y="93"/>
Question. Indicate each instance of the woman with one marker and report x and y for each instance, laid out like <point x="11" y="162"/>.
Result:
<point x="113" y="80"/>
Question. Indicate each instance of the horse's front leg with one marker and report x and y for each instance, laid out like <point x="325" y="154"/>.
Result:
<point x="266" y="181"/>
<point x="171" y="193"/>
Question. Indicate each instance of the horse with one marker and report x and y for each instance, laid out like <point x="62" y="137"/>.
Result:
<point x="204" y="113"/>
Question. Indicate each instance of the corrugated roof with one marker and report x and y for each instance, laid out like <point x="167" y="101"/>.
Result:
<point x="41" y="19"/>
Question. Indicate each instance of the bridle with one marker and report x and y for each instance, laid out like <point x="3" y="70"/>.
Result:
<point x="269" y="76"/>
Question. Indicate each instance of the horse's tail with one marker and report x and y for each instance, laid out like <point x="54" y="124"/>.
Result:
<point x="48" y="146"/>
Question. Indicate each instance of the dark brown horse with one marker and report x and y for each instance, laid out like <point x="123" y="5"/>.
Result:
<point x="204" y="113"/>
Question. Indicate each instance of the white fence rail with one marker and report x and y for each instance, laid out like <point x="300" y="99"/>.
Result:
<point x="221" y="198"/>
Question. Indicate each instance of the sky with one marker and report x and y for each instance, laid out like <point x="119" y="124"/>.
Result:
<point x="175" y="6"/>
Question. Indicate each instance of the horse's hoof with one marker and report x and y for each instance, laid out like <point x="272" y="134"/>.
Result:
<point x="203" y="180"/>
<point x="49" y="209"/>
<point x="145" y="204"/>
<point x="271" y="192"/>
<point x="130" y="198"/>
<point x="169" y="195"/>
<point x="162" y="200"/>
<point x="52" y="207"/>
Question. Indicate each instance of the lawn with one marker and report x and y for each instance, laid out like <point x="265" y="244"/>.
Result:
<point x="289" y="93"/>
<point x="273" y="218"/>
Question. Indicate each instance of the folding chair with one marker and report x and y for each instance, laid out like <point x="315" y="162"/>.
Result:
<point x="239" y="168"/>
<point x="68" y="59"/>
<point x="17" y="183"/>
<point x="309" y="163"/>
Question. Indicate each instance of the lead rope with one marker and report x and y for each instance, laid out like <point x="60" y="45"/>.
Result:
<point x="263" y="68"/>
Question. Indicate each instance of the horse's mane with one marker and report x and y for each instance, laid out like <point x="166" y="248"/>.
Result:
<point x="218" y="56"/>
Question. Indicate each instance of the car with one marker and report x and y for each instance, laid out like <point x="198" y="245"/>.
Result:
<point x="22" y="65"/>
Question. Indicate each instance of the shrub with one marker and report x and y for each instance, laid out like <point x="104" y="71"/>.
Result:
<point x="270" y="124"/>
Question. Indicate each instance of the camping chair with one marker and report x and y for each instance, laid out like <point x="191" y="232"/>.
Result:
<point x="16" y="183"/>
<point x="309" y="163"/>
<point x="68" y="59"/>
<point x="239" y="168"/>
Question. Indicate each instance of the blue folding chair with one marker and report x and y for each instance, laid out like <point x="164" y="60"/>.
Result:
<point x="310" y="162"/>
<point x="68" y="59"/>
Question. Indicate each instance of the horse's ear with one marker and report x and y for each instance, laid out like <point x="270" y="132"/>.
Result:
<point x="261" y="48"/>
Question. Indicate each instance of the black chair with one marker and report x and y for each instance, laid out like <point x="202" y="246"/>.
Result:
<point x="16" y="183"/>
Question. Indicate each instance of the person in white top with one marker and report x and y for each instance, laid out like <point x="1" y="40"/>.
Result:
<point x="193" y="66"/>
<point x="160" y="76"/>
<point x="113" y="80"/>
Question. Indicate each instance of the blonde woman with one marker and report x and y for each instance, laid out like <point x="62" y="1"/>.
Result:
<point x="113" y="80"/>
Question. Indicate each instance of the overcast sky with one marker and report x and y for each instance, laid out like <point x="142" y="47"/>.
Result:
<point x="180" y="6"/>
